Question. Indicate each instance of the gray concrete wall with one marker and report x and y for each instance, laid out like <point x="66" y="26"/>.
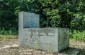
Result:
<point x="27" y="20"/>
<point x="47" y="39"/>
<point x="63" y="38"/>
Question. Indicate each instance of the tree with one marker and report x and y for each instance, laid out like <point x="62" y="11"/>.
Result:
<point x="7" y="14"/>
<point x="53" y="13"/>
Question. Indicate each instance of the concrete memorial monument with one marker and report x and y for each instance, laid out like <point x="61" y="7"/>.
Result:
<point x="48" y="39"/>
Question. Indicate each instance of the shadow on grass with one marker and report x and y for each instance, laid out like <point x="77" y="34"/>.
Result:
<point x="82" y="52"/>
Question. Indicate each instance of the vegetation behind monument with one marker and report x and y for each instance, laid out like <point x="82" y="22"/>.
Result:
<point x="53" y="13"/>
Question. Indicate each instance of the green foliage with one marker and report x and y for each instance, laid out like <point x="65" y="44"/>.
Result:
<point x="59" y="13"/>
<point x="53" y="13"/>
<point x="8" y="18"/>
<point x="11" y="31"/>
<point x="7" y="37"/>
<point x="78" y="35"/>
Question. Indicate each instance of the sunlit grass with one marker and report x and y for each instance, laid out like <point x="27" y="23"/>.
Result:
<point x="78" y="35"/>
<point x="8" y="37"/>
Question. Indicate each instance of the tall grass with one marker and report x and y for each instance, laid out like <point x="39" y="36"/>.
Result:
<point x="8" y="34"/>
<point x="11" y="31"/>
<point x="78" y="35"/>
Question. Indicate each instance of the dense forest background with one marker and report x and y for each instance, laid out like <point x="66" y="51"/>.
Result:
<point x="53" y="13"/>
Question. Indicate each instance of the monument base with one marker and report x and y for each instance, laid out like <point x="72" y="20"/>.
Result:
<point x="69" y="51"/>
<point x="47" y="39"/>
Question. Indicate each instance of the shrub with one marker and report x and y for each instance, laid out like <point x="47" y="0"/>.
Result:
<point x="78" y="35"/>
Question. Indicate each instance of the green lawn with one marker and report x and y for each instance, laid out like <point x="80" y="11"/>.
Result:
<point x="8" y="37"/>
<point x="78" y="35"/>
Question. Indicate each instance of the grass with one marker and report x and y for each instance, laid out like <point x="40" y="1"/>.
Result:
<point x="78" y="35"/>
<point x="7" y="37"/>
<point x="11" y="31"/>
<point x="8" y="34"/>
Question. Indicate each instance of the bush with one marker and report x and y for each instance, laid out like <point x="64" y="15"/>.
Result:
<point x="78" y="35"/>
<point x="12" y="31"/>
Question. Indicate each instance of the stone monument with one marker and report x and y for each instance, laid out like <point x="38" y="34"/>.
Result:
<point x="47" y="39"/>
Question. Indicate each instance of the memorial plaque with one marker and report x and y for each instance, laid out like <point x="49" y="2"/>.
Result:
<point x="33" y="20"/>
<point x="30" y="20"/>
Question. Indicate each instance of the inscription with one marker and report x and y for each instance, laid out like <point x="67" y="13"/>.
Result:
<point x="30" y="20"/>
<point x="41" y="32"/>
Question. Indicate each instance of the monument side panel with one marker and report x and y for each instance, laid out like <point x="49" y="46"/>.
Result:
<point x="27" y="21"/>
<point x="48" y="39"/>
<point x="63" y="38"/>
<point x="23" y="19"/>
<point x="20" y="31"/>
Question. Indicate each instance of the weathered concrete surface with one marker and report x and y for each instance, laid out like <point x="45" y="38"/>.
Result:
<point x="63" y="38"/>
<point x="48" y="39"/>
<point x="29" y="20"/>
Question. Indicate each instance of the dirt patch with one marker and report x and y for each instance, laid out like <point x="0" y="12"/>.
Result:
<point x="28" y="51"/>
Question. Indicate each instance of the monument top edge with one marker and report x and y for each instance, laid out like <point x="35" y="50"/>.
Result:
<point x="48" y="28"/>
<point x="27" y="12"/>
